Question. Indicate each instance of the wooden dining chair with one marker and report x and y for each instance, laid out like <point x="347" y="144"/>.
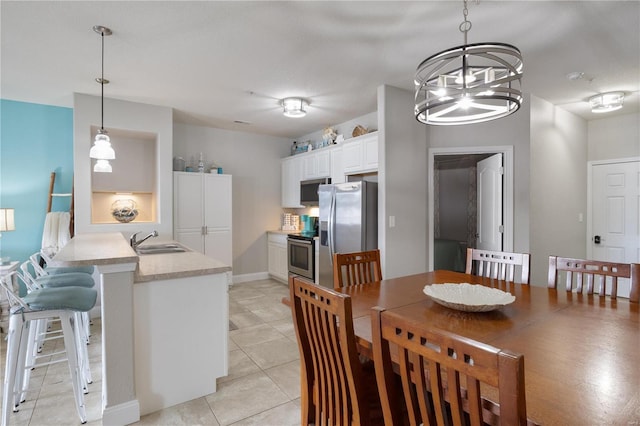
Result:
<point x="581" y="274"/>
<point x="356" y="268"/>
<point x="499" y="265"/>
<point x="441" y="376"/>
<point x="335" y="388"/>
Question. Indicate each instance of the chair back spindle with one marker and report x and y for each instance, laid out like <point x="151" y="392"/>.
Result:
<point x="331" y="374"/>
<point x="356" y="268"/>
<point x="498" y="265"/>
<point x="592" y="276"/>
<point x="441" y="375"/>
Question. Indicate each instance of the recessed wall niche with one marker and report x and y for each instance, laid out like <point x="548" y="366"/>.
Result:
<point x="133" y="177"/>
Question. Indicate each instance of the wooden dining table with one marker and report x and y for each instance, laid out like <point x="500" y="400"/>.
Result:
<point x="581" y="352"/>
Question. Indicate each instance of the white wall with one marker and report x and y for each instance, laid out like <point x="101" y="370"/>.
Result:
<point x="558" y="186"/>
<point x="614" y="137"/>
<point x="402" y="184"/>
<point x="123" y="116"/>
<point x="254" y="162"/>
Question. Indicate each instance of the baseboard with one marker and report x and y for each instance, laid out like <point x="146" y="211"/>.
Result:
<point x="121" y="414"/>
<point x="236" y="279"/>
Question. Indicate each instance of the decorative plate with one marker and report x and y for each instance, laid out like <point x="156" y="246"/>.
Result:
<point x="468" y="297"/>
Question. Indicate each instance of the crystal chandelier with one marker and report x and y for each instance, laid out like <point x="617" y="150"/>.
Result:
<point x="468" y="84"/>
<point x="101" y="149"/>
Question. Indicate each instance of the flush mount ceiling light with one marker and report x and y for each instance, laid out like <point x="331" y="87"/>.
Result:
<point x="606" y="102"/>
<point x="101" y="149"/>
<point x="468" y="84"/>
<point x="294" y="107"/>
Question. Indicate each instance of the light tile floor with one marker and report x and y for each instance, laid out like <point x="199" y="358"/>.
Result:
<point x="262" y="388"/>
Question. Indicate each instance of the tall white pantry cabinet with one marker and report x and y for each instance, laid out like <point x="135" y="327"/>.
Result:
<point x="202" y="216"/>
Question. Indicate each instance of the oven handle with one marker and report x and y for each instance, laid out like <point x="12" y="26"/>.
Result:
<point x="296" y="241"/>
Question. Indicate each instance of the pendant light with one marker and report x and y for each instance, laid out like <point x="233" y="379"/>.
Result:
<point x="468" y="84"/>
<point x="101" y="149"/>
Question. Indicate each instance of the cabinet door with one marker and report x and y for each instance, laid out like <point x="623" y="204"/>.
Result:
<point x="283" y="264"/>
<point x="217" y="201"/>
<point x="324" y="163"/>
<point x="191" y="239"/>
<point x="352" y="157"/>
<point x="272" y="257"/>
<point x="291" y="174"/>
<point x="218" y="245"/>
<point x="370" y="153"/>
<point x="310" y="166"/>
<point x="337" y="172"/>
<point x="187" y="202"/>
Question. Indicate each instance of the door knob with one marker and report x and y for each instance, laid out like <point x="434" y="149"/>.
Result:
<point x="596" y="239"/>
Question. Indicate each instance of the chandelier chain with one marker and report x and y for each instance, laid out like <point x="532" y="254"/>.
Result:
<point x="465" y="25"/>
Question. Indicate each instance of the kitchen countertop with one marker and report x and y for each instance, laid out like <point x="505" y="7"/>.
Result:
<point x="280" y="231"/>
<point x="113" y="248"/>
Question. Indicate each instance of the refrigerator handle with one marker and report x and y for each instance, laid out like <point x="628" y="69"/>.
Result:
<point x="331" y="229"/>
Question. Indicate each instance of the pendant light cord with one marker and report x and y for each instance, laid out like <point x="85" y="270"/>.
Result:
<point x="102" y="85"/>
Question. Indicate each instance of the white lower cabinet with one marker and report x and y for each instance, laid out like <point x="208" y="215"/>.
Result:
<point x="202" y="213"/>
<point x="277" y="255"/>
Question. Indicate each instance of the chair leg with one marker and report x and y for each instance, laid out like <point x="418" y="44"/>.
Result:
<point x="15" y="335"/>
<point x="70" y="344"/>
<point x="83" y="352"/>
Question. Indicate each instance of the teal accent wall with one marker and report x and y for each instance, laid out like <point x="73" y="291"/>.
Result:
<point x="35" y="140"/>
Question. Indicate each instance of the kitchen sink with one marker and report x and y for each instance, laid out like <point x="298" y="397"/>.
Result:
<point x="160" y="248"/>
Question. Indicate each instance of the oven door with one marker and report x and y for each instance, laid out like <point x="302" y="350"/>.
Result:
<point x="300" y="254"/>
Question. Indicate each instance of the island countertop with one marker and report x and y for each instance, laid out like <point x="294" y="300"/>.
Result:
<point x="154" y="267"/>
<point x="112" y="248"/>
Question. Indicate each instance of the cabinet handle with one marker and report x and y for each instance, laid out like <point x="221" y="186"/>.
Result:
<point x="203" y="231"/>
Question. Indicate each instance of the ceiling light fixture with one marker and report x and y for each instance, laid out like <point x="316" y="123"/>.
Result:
<point x="606" y="102"/>
<point x="472" y="83"/>
<point x="294" y="107"/>
<point x="101" y="149"/>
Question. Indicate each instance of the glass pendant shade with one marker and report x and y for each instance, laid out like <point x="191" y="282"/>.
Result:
<point x="101" y="149"/>
<point x="102" y="166"/>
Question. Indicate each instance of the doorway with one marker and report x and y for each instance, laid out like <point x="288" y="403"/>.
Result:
<point x="452" y="232"/>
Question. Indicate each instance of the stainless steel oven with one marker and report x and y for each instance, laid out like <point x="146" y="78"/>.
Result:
<point x="301" y="256"/>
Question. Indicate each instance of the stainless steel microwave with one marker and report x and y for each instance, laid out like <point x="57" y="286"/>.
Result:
<point x="309" y="191"/>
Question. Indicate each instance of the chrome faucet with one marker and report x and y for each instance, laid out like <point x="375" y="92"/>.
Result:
<point x="135" y="243"/>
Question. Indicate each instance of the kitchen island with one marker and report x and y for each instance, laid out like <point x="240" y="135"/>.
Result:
<point x="164" y="324"/>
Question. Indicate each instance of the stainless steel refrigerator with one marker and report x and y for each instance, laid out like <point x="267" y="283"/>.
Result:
<point x="348" y="222"/>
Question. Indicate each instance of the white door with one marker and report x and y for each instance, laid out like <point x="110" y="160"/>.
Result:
<point x="489" y="195"/>
<point x="615" y="196"/>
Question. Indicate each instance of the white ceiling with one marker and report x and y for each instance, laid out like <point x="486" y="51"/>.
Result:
<point x="219" y="61"/>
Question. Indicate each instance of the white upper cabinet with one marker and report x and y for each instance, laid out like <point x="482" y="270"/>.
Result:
<point x="337" y="171"/>
<point x="291" y="177"/>
<point x="355" y="155"/>
<point x="360" y="154"/>
<point x="317" y="164"/>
